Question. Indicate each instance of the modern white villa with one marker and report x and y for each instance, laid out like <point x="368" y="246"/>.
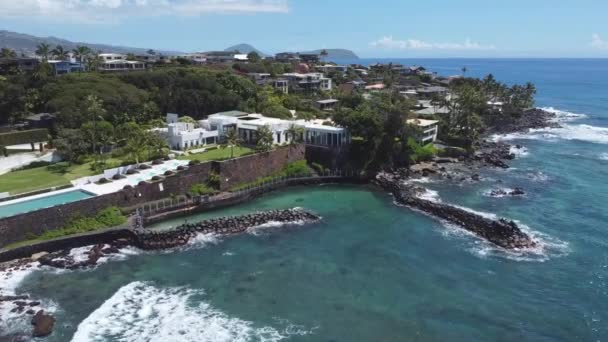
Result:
<point x="429" y="129"/>
<point x="316" y="132"/>
<point x="183" y="135"/>
<point x="115" y="62"/>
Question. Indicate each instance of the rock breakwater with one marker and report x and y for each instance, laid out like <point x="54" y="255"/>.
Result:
<point x="501" y="232"/>
<point x="180" y="236"/>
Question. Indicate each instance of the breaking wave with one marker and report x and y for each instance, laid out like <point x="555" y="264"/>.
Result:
<point x="142" y="312"/>
<point x="604" y="156"/>
<point x="500" y="193"/>
<point x="568" y="131"/>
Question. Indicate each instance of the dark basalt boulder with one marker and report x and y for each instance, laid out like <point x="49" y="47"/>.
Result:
<point x="43" y="324"/>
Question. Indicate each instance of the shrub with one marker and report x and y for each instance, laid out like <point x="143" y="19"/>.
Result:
<point x="194" y="162"/>
<point x="201" y="190"/>
<point x="320" y="169"/>
<point x="109" y="217"/>
<point x="23" y="137"/>
<point x="296" y="169"/>
<point x="35" y="164"/>
<point x="213" y="180"/>
<point x="420" y="153"/>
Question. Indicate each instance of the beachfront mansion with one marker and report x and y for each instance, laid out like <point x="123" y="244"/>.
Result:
<point x="188" y="135"/>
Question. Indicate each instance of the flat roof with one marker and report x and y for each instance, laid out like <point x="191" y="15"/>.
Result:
<point x="422" y="122"/>
<point x="328" y="101"/>
<point x="233" y="113"/>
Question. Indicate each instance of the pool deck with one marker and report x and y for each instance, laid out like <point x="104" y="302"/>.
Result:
<point x="133" y="180"/>
<point x="86" y="185"/>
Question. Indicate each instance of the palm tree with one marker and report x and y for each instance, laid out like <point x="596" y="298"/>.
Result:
<point x="296" y="134"/>
<point x="80" y="52"/>
<point x="43" y="50"/>
<point x="232" y="140"/>
<point x="265" y="139"/>
<point x="7" y="53"/>
<point x="94" y="61"/>
<point x="60" y="53"/>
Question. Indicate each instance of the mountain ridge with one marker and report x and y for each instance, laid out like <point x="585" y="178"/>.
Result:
<point x="27" y="43"/>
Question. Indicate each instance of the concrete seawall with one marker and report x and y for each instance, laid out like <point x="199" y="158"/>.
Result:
<point x="109" y="235"/>
<point x="240" y="170"/>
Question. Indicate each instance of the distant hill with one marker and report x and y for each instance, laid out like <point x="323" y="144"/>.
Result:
<point x="25" y="43"/>
<point x="336" y="54"/>
<point x="245" y="48"/>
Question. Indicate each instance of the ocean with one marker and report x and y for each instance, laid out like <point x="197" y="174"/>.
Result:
<point x="371" y="270"/>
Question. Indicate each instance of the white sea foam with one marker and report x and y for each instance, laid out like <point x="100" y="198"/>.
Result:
<point x="142" y="312"/>
<point x="263" y="228"/>
<point x="430" y="195"/>
<point x="604" y="156"/>
<point x="546" y="246"/>
<point x="9" y="283"/>
<point x="568" y="131"/>
<point x="520" y="152"/>
<point x="563" y="115"/>
<point x="504" y="192"/>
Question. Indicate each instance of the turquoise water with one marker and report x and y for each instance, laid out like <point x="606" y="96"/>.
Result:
<point x="44" y="202"/>
<point x="373" y="271"/>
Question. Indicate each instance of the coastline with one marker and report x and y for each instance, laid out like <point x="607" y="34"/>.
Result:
<point x="492" y="152"/>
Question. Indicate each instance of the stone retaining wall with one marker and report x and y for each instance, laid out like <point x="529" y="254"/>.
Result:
<point x="232" y="172"/>
<point x="248" y="169"/>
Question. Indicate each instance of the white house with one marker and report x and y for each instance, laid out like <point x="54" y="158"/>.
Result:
<point x="316" y="132"/>
<point x="429" y="130"/>
<point x="185" y="135"/>
<point x="112" y="56"/>
<point x="119" y="65"/>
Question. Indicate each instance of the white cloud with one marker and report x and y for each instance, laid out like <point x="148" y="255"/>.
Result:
<point x="597" y="42"/>
<point x="389" y="43"/>
<point x="101" y="10"/>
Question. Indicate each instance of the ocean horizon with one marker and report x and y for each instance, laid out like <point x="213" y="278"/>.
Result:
<point x="375" y="271"/>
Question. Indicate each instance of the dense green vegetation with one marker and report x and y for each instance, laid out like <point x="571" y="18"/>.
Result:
<point x="38" y="178"/>
<point x="219" y="154"/>
<point x="109" y="115"/>
<point x="295" y="169"/>
<point x="107" y="218"/>
<point x="23" y="137"/>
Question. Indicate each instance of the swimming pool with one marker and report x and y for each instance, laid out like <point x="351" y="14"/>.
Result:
<point x="42" y="202"/>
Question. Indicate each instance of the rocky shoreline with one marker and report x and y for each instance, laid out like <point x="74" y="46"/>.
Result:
<point x="501" y="232"/>
<point x="534" y="118"/>
<point x="43" y="322"/>
<point x="488" y="151"/>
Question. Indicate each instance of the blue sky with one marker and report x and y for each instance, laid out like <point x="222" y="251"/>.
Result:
<point x="380" y="28"/>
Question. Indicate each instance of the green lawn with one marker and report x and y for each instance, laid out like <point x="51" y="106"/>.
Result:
<point x="218" y="154"/>
<point x="18" y="182"/>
